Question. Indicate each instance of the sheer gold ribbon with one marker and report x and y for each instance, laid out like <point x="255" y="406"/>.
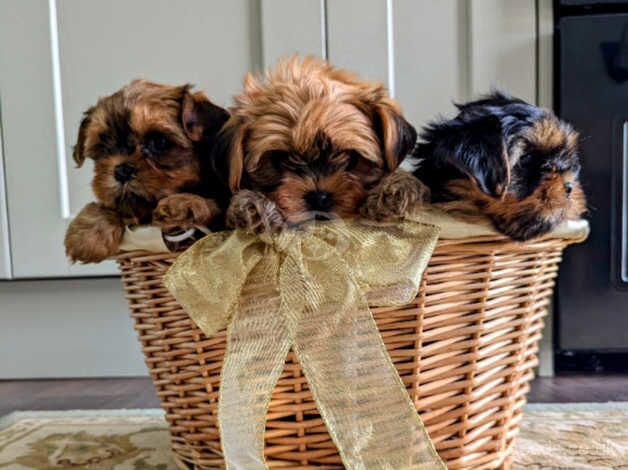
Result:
<point x="310" y="291"/>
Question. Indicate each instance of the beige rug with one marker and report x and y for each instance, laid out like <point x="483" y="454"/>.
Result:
<point x="553" y="437"/>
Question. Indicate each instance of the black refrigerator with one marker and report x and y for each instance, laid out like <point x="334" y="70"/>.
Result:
<point x="591" y="91"/>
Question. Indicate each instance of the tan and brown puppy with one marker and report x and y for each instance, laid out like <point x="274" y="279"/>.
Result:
<point x="150" y="144"/>
<point x="504" y="159"/>
<point x="309" y="141"/>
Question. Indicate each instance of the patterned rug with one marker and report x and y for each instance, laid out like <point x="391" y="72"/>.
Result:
<point x="553" y="437"/>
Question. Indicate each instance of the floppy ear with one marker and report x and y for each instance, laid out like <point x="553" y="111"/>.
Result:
<point x="476" y="147"/>
<point x="78" y="152"/>
<point x="227" y="156"/>
<point x="396" y="134"/>
<point x="202" y="120"/>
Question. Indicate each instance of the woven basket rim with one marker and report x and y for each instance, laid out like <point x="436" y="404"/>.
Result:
<point x="501" y="242"/>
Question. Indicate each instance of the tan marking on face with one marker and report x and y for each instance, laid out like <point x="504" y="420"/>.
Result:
<point x="550" y="133"/>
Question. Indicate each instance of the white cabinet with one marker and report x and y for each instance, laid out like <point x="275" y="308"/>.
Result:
<point x="63" y="54"/>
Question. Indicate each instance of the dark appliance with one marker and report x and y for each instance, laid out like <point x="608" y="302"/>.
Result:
<point x="591" y="91"/>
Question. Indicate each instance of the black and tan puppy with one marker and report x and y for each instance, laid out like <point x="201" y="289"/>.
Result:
<point x="150" y="144"/>
<point x="309" y="141"/>
<point x="506" y="159"/>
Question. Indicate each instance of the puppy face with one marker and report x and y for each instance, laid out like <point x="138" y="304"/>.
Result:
<point x="514" y="162"/>
<point x="313" y="139"/>
<point x="147" y="141"/>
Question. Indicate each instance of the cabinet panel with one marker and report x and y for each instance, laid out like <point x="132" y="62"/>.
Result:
<point x="431" y="67"/>
<point x="68" y="53"/>
<point x="358" y="37"/>
<point x="67" y="328"/>
<point x="503" y="46"/>
<point x="292" y="26"/>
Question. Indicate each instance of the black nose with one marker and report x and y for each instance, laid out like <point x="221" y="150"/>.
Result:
<point x="124" y="172"/>
<point x="319" y="200"/>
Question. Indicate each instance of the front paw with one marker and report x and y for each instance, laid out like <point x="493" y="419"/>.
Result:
<point x="394" y="196"/>
<point x="254" y="213"/>
<point x="184" y="211"/>
<point x="94" y="235"/>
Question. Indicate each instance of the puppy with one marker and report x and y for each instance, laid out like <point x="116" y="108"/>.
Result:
<point x="506" y="159"/>
<point x="309" y="141"/>
<point x="150" y="144"/>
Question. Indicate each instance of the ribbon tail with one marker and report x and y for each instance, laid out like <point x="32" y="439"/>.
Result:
<point x="257" y="345"/>
<point x="359" y="393"/>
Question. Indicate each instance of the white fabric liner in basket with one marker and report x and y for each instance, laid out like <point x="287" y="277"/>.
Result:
<point x="149" y="238"/>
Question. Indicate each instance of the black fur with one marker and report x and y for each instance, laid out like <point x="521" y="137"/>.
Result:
<point x="406" y="140"/>
<point x="479" y="143"/>
<point x="119" y="138"/>
<point x="218" y="164"/>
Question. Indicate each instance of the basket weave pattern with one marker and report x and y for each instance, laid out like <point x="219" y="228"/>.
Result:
<point x="465" y="348"/>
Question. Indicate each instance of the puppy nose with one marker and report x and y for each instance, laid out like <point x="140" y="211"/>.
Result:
<point x="319" y="200"/>
<point x="124" y="172"/>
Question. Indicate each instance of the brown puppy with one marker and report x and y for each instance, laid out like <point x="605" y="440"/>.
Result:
<point x="309" y="141"/>
<point x="150" y="144"/>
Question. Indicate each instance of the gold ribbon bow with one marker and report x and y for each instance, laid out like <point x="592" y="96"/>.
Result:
<point x="310" y="291"/>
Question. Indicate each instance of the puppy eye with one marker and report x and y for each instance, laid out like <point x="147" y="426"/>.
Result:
<point x="157" y="143"/>
<point x="352" y="162"/>
<point x="568" y="188"/>
<point x="277" y="158"/>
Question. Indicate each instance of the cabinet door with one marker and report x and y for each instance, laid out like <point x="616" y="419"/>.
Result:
<point x="431" y="54"/>
<point x="58" y="57"/>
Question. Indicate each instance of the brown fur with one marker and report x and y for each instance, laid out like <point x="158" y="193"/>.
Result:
<point x="184" y="210"/>
<point x="520" y="219"/>
<point x="122" y="130"/>
<point x="307" y="126"/>
<point x="396" y="194"/>
<point x="550" y="134"/>
<point x="94" y="234"/>
<point x="254" y="211"/>
<point x="348" y="193"/>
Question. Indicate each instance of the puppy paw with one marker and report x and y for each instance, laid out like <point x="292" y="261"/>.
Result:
<point x="254" y="212"/>
<point x="394" y="196"/>
<point x="183" y="211"/>
<point x="94" y="235"/>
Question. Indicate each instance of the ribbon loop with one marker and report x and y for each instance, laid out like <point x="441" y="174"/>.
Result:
<point x="310" y="291"/>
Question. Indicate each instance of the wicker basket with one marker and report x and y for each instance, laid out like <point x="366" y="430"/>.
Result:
<point x="465" y="348"/>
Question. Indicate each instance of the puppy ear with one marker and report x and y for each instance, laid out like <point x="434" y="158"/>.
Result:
<point x="475" y="147"/>
<point x="227" y="156"/>
<point x="202" y="120"/>
<point x="78" y="152"/>
<point x="396" y="134"/>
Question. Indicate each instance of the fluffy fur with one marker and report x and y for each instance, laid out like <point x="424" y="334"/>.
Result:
<point x="150" y="144"/>
<point x="308" y="141"/>
<point x="506" y="159"/>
